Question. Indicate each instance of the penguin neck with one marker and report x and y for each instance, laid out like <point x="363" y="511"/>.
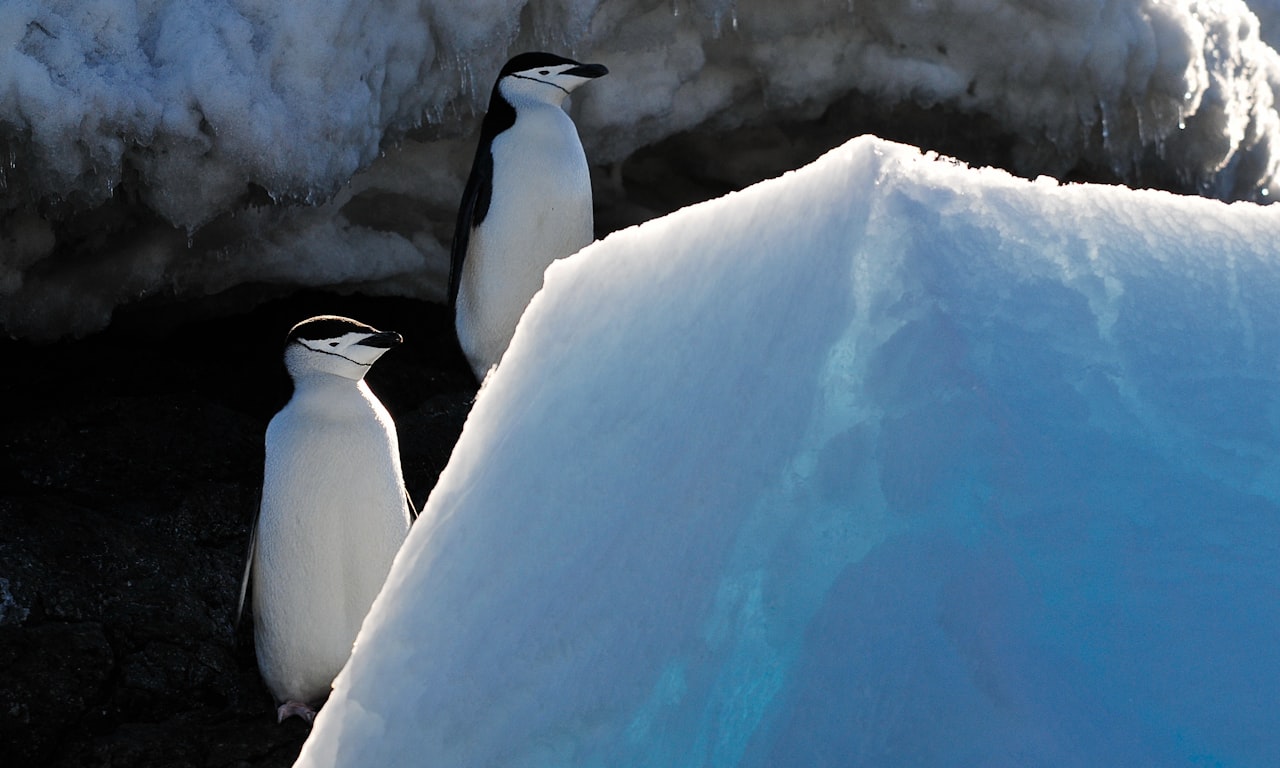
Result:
<point x="328" y="385"/>
<point x="542" y="136"/>
<point x="522" y="102"/>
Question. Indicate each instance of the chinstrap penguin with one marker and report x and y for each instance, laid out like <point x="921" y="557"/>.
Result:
<point x="334" y="512"/>
<point x="526" y="203"/>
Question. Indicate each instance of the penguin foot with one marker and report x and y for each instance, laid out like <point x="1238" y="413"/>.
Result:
<point x="291" y="708"/>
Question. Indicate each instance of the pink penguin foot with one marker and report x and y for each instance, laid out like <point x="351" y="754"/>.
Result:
<point x="291" y="708"/>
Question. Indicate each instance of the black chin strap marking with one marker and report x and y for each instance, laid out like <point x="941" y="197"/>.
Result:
<point x="335" y="354"/>
<point x="536" y="80"/>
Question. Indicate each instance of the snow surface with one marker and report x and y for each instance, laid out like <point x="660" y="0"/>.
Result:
<point x="887" y="461"/>
<point x="204" y="113"/>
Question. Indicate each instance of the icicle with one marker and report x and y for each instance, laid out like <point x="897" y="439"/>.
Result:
<point x="717" y="18"/>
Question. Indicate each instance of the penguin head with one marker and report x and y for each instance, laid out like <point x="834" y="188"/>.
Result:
<point x="337" y="346"/>
<point x="544" y="77"/>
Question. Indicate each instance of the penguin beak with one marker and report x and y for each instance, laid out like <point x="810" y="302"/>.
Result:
<point x="587" y="71"/>
<point x="381" y="340"/>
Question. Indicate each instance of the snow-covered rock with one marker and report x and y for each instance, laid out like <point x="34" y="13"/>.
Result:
<point x="160" y="148"/>
<point x="884" y="461"/>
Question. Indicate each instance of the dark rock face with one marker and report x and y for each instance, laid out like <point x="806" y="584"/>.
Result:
<point x="130" y="466"/>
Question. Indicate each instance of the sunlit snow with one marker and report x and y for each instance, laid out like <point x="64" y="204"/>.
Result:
<point x="252" y="141"/>
<point x="887" y="461"/>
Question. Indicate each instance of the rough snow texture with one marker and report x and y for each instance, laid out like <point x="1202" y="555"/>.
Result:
<point x="204" y="100"/>
<point x="198" y="131"/>
<point x="885" y="461"/>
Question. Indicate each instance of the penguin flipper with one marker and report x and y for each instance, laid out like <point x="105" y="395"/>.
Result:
<point x="248" y="568"/>
<point x="473" y="209"/>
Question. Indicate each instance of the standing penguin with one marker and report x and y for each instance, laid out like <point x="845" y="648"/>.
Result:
<point x="334" y="511"/>
<point x="526" y="204"/>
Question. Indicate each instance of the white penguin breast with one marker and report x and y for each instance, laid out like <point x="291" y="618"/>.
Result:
<point x="539" y="211"/>
<point x="333" y="517"/>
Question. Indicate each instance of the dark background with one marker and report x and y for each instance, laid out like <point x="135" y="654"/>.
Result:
<point x="130" y="466"/>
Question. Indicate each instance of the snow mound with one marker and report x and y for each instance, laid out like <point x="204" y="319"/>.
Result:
<point x="884" y="461"/>
<point x="165" y="149"/>
<point x="200" y="101"/>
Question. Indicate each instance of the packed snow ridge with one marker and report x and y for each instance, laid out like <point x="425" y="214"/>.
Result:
<point x="886" y="461"/>
<point x="271" y="121"/>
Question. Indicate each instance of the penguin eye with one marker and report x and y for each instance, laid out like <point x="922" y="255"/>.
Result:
<point x="333" y="343"/>
<point x="544" y="72"/>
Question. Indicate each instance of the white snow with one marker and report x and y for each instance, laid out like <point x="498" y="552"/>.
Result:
<point x="204" y="111"/>
<point x="203" y="99"/>
<point x="887" y="461"/>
